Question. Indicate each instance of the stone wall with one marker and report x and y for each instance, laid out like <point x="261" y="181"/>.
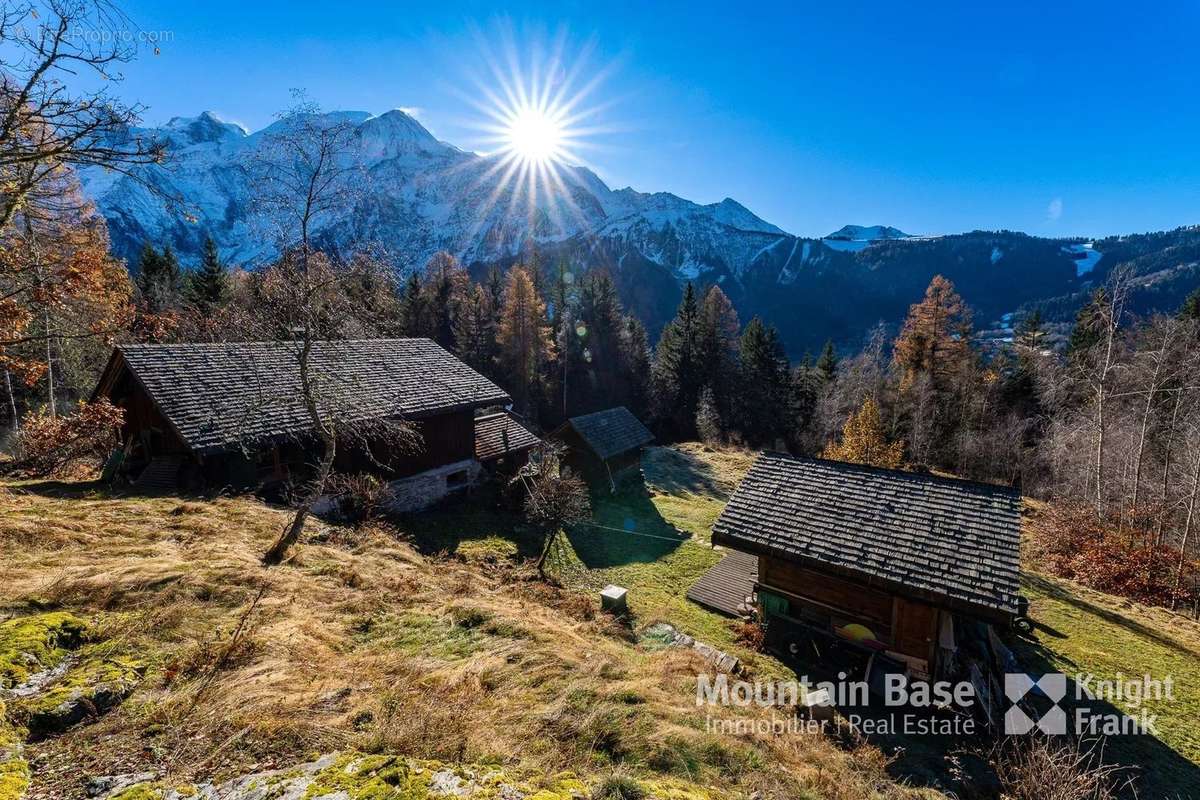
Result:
<point x="423" y="490"/>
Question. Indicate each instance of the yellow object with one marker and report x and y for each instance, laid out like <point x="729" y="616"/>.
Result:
<point x="857" y="633"/>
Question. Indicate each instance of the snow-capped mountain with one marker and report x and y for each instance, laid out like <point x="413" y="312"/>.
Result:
<point x="419" y="195"/>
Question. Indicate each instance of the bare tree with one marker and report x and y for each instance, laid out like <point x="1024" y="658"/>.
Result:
<point x="305" y="169"/>
<point x="555" y="498"/>
<point x="46" y="130"/>
<point x="1097" y="367"/>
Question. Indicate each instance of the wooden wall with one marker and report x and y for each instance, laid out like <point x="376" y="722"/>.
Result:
<point x="907" y="626"/>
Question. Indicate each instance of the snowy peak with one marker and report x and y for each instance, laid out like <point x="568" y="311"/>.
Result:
<point x="420" y="195"/>
<point x="732" y="213"/>
<point x="396" y="133"/>
<point x="207" y="127"/>
<point x="867" y="233"/>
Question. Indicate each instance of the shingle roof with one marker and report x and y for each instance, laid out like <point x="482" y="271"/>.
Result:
<point x="611" y="432"/>
<point x="217" y="396"/>
<point x="950" y="542"/>
<point x="497" y="435"/>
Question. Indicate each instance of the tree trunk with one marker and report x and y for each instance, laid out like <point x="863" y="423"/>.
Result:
<point x="12" y="401"/>
<point x="549" y="543"/>
<point x="1162" y="510"/>
<point x="50" y="369"/>
<point x="1191" y="517"/>
<point x="1141" y="448"/>
<point x="292" y="532"/>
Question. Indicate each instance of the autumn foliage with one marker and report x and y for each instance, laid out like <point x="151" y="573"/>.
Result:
<point x="864" y="440"/>
<point x="48" y="444"/>
<point x="1070" y="542"/>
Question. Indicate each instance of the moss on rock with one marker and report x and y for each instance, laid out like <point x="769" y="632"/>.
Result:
<point x="36" y="642"/>
<point x="93" y="686"/>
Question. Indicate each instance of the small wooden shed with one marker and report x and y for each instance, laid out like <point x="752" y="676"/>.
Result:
<point x="502" y="442"/>
<point x="881" y="561"/>
<point x="605" y="444"/>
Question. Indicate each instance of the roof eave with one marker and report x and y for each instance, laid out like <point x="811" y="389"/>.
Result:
<point x="984" y="612"/>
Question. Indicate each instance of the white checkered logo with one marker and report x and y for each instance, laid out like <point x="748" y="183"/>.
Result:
<point x="1053" y="685"/>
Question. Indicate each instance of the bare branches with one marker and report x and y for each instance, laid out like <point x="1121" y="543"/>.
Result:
<point x="47" y="130"/>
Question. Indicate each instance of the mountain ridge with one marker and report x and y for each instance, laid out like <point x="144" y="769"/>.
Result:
<point x="423" y="195"/>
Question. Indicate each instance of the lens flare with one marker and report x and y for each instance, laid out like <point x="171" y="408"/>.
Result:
<point x="537" y="115"/>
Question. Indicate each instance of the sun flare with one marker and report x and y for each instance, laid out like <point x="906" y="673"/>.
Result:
<point x="536" y="136"/>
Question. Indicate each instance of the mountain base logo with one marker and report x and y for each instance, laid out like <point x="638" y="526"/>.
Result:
<point x="1024" y="690"/>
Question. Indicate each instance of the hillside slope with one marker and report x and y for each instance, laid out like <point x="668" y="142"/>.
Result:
<point x="427" y="642"/>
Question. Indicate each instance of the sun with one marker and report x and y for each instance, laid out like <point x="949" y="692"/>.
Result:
<point x="536" y="136"/>
<point x="538" y="115"/>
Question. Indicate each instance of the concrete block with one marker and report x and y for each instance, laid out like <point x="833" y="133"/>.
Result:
<point x="613" y="599"/>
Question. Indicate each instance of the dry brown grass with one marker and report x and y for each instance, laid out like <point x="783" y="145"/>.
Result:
<point x="358" y="641"/>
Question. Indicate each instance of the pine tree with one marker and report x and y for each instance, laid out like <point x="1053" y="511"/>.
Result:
<point x="209" y="285"/>
<point x="677" y="372"/>
<point x="159" y="279"/>
<point x="1190" y="310"/>
<point x="446" y="287"/>
<point x="1089" y="325"/>
<point x="414" y="316"/>
<point x="864" y="440"/>
<point x="807" y="383"/>
<point x="763" y="396"/>
<point x="1030" y="333"/>
<point x="828" y="362"/>
<point x="635" y="360"/>
<point x="598" y="377"/>
<point x="525" y="345"/>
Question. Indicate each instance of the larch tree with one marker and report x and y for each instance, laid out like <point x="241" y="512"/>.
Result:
<point x="936" y="337"/>
<point x="524" y="341"/>
<point x="59" y="290"/>
<point x="864" y="440"/>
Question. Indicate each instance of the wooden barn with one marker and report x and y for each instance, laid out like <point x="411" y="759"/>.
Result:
<point x="231" y="414"/>
<point x="897" y="570"/>
<point x="605" y="444"/>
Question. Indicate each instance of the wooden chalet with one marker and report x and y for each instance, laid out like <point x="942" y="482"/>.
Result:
<point x="898" y="569"/>
<point x="605" y="444"/>
<point x="232" y="414"/>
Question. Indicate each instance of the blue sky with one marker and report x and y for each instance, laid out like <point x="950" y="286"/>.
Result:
<point x="1052" y="118"/>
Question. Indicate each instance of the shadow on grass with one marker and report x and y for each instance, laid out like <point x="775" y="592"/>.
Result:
<point x="63" y="490"/>
<point x="626" y="528"/>
<point x="1057" y="592"/>
<point x="677" y="472"/>
<point x="477" y="523"/>
<point x="1157" y="769"/>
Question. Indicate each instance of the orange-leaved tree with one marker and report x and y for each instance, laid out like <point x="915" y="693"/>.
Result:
<point x="864" y="440"/>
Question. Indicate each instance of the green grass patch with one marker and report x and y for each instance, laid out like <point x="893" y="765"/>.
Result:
<point x="1087" y="632"/>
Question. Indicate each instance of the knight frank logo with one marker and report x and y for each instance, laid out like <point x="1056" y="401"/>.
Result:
<point x="1099" y="706"/>
<point x="1053" y="685"/>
